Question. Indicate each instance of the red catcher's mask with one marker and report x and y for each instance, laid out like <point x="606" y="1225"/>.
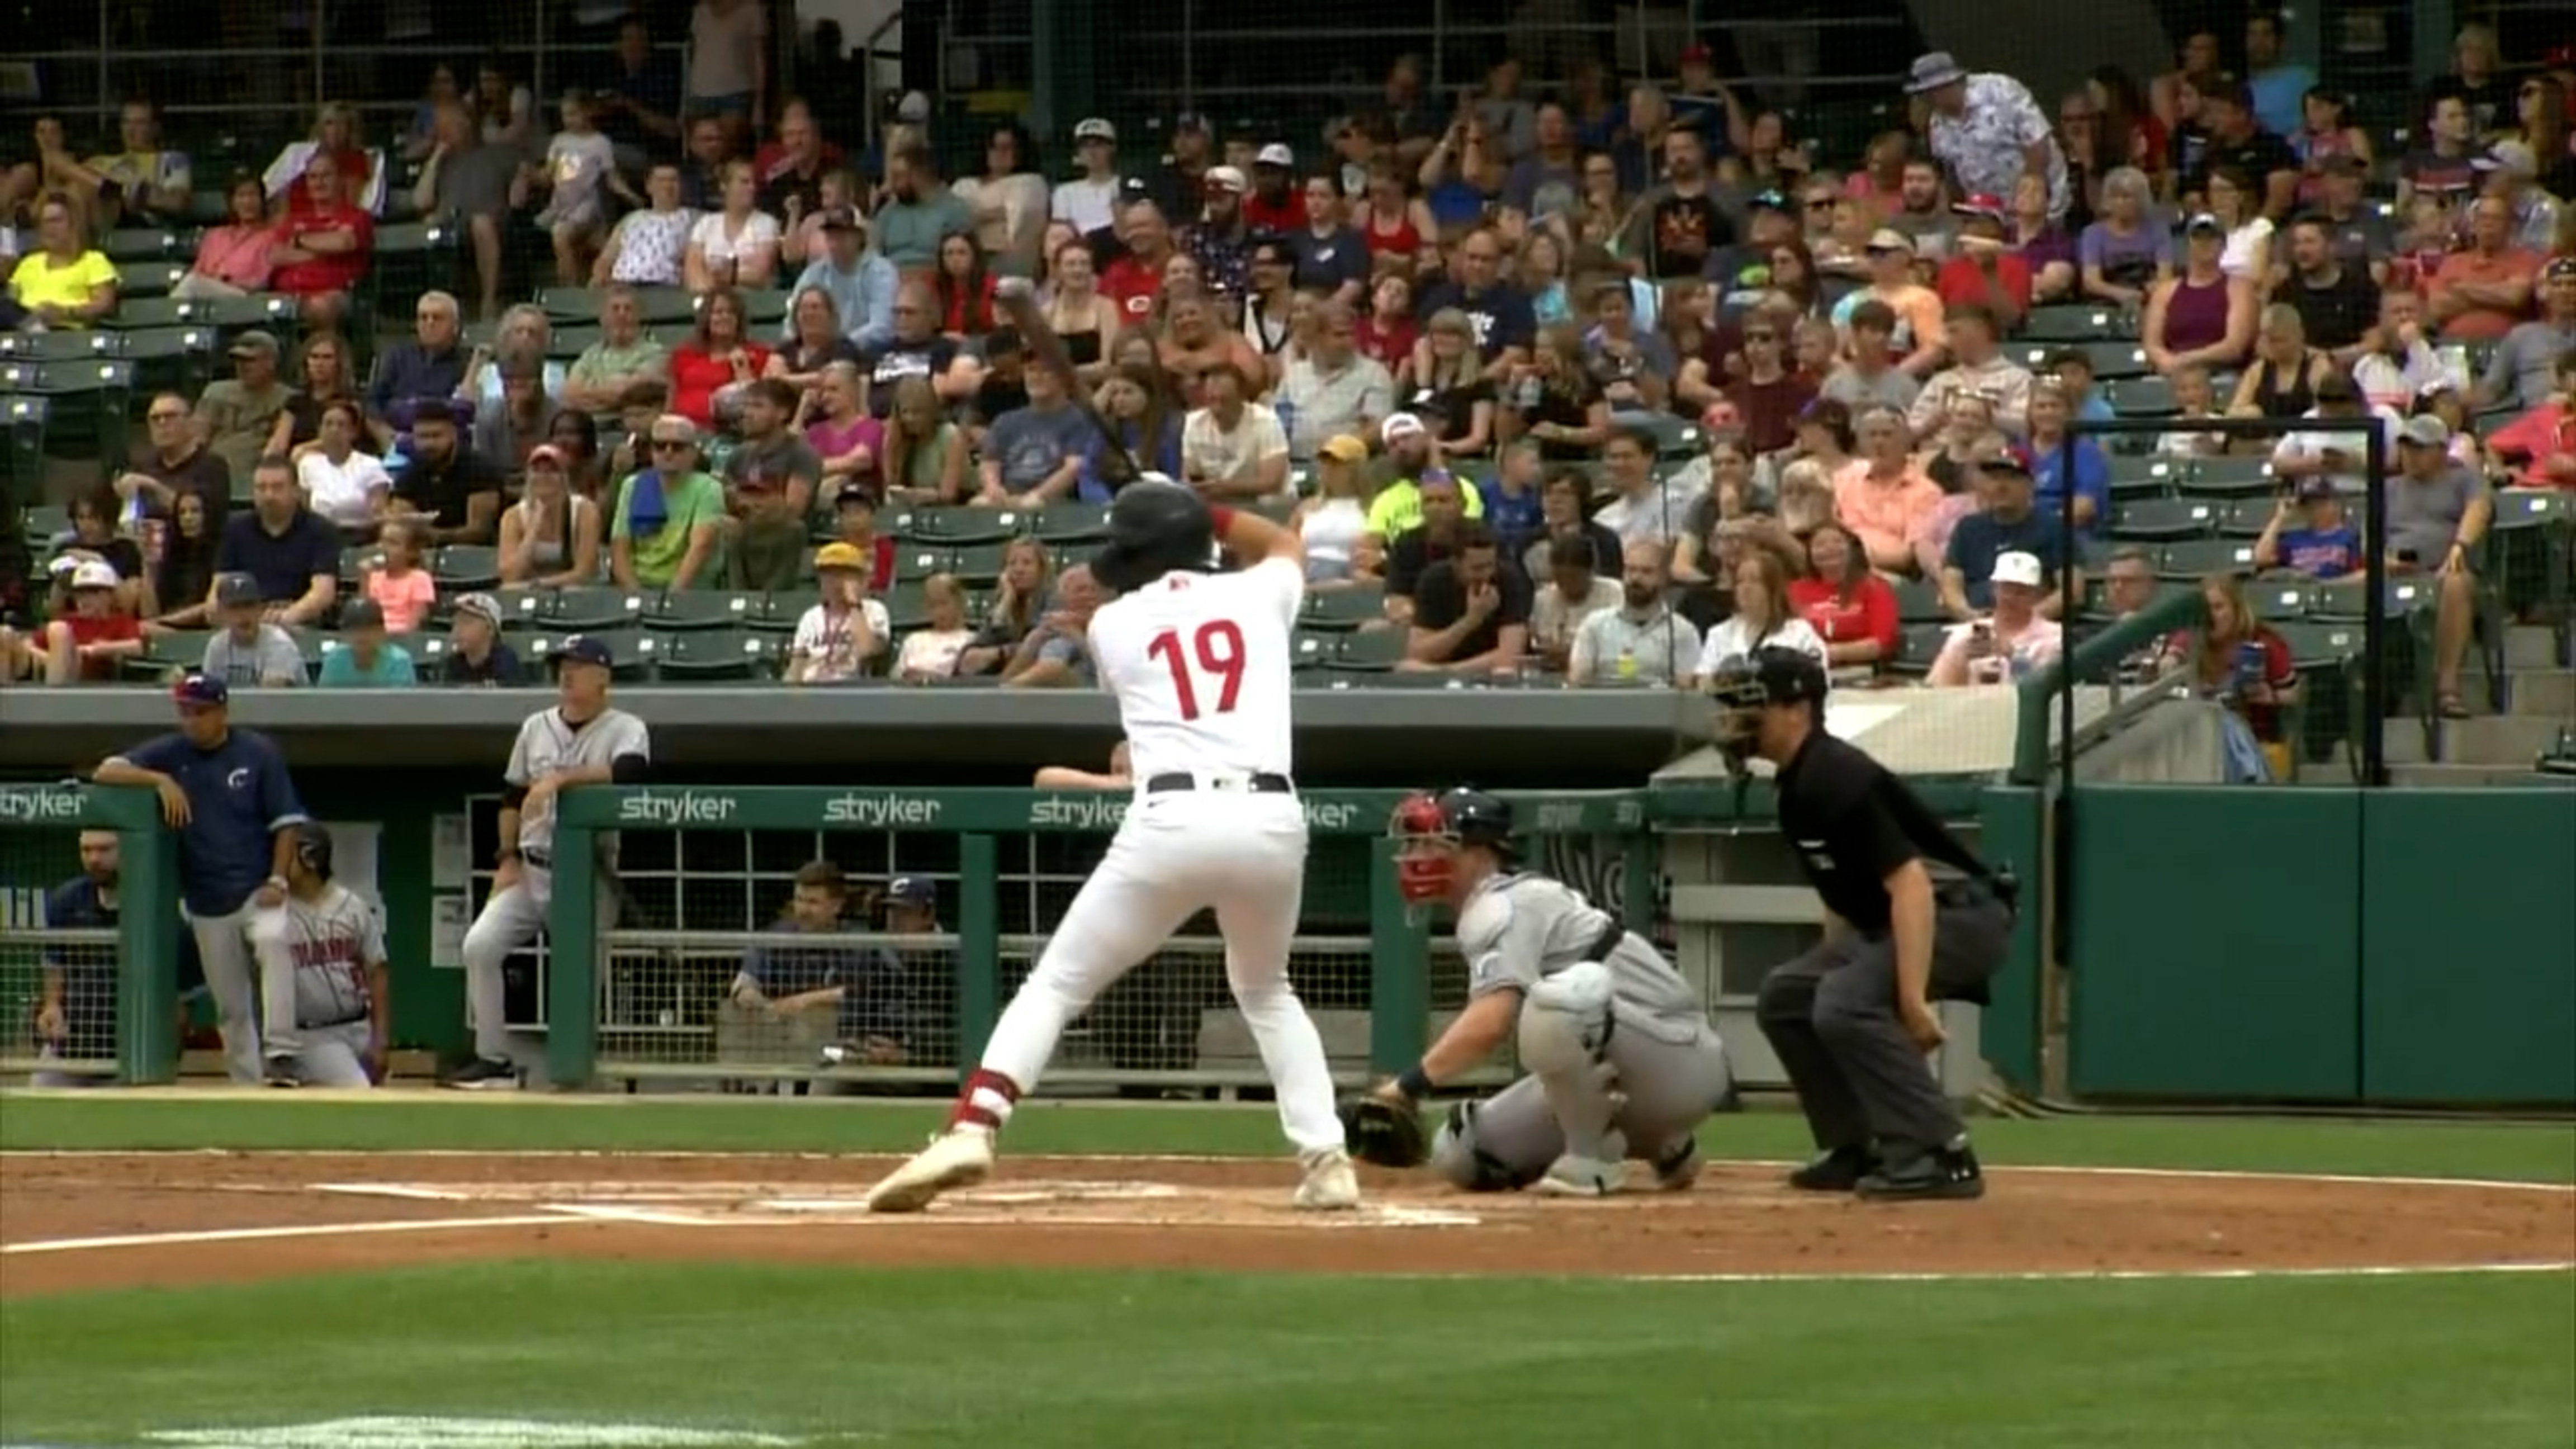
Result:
<point x="1426" y="857"/>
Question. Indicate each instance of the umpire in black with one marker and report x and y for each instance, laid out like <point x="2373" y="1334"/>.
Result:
<point x="1923" y="920"/>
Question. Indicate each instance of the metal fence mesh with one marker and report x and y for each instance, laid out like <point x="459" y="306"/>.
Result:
<point x="38" y="950"/>
<point x="695" y="904"/>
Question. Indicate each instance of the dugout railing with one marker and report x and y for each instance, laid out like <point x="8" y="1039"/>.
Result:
<point x="703" y="873"/>
<point x="118" y="1023"/>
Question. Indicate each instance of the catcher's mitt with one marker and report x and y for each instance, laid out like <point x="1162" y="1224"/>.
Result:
<point x="1384" y="1133"/>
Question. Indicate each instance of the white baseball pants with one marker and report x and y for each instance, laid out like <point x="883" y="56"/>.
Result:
<point x="251" y="974"/>
<point x="511" y="921"/>
<point x="1177" y="853"/>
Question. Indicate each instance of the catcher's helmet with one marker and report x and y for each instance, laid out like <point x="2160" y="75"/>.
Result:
<point x="1430" y="826"/>
<point x="1155" y="526"/>
<point x="313" y="848"/>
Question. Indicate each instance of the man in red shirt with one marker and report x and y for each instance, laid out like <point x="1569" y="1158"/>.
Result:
<point x="323" y="247"/>
<point x="1136" y="279"/>
<point x="1277" y="204"/>
<point x="87" y="644"/>
<point x="1983" y="272"/>
<point x="2540" y="445"/>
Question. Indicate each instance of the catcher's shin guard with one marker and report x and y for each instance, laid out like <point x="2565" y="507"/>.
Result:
<point x="1460" y="1161"/>
<point x="1565" y="1030"/>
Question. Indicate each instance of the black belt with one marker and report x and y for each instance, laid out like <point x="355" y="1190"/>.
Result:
<point x="541" y="859"/>
<point x="335" y="1025"/>
<point x="1611" y="936"/>
<point x="1257" y="784"/>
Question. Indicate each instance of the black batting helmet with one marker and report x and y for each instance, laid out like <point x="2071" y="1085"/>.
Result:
<point x="1155" y="526"/>
<point x="313" y="848"/>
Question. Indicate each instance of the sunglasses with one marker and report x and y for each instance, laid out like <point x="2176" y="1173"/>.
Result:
<point x="1820" y="203"/>
<point x="671" y="445"/>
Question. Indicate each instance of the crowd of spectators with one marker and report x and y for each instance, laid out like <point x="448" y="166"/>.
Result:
<point x="1598" y="392"/>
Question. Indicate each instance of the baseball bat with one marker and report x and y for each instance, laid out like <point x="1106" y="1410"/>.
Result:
<point x="1017" y="298"/>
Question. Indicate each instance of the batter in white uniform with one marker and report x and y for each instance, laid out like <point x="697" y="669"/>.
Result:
<point x="1200" y="664"/>
<point x="581" y="741"/>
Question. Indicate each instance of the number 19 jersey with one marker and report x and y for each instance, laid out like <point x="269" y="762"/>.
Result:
<point x="1200" y="665"/>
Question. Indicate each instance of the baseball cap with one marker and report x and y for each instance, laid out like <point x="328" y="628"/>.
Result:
<point x="547" y="454"/>
<point x="201" y="691"/>
<point x="2425" y="431"/>
<point x="913" y="109"/>
<point x="1275" y="154"/>
<point x="1094" y="128"/>
<point x="842" y="218"/>
<point x="2008" y="460"/>
<point x="1226" y="178"/>
<point x="1400" y="425"/>
<point x="2513" y="158"/>
<point x="254" y="343"/>
<point x="2204" y="221"/>
<point x="2020" y="568"/>
<point x="1695" y="54"/>
<point x="362" y="614"/>
<point x="1889" y="239"/>
<point x="911" y="890"/>
<point x="1343" y="448"/>
<point x="1193" y="121"/>
<point x="481" y="605"/>
<point x="2560" y="269"/>
<point x="235" y="590"/>
<point x="1721" y="416"/>
<point x="839" y="556"/>
<point x="1983" y="203"/>
<point x="94" y="574"/>
<point x="855" y="498"/>
<point x="583" y="649"/>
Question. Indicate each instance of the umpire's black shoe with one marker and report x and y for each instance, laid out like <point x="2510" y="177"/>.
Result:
<point x="281" y="1072"/>
<point x="1839" y="1169"/>
<point x="1940" y="1173"/>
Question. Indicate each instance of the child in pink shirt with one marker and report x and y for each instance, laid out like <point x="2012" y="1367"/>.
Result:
<point x="399" y="585"/>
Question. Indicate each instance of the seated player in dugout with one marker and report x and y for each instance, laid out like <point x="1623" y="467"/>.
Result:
<point x="1621" y="1058"/>
<point x="859" y="985"/>
<point x="75" y="1016"/>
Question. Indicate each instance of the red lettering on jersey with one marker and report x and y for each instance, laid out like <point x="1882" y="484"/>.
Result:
<point x="1176" y="582"/>
<point x="1218" y="649"/>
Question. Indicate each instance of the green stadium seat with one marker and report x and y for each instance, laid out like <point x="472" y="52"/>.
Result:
<point x="140" y="244"/>
<point x="1371" y="648"/>
<point x="1313" y="649"/>
<point x="520" y="607"/>
<point x="358" y="560"/>
<point x="2245" y="518"/>
<point x="979" y="564"/>
<point x="86" y="405"/>
<point x="778" y="612"/>
<point x="463" y="566"/>
<point x="2141" y="397"/>
<point x="2230" y="477"/>
<point x="26" y="418"/>
<point x="2116" y="361"/>
<point x="1063" y="523"/>
<point x="2315" y="645"/>
<point x="1918" y="601"/>
<point x="163" y="653"/>
<point x="631" y="652"/>
<point x="2194" y="558"/>
<point x="2349" y="602"/>
<point x="2071" y="323"/>
<point x="589" y="610"/>
<point x="266" y="311"/>
<point x="2142" y="477"/>
<point x="2531" y="541"/>
<point x="763" y="308"/>
<point x="148" y="278"/>
<point x="1917" y="646"/>
<point x="665" y="306"/>
<point x="411" y="257"/>
<point x="567" y="344"/>
<point x="912" y="564"/>
<point x="571" y="305"/>
<point x="1674" y="437"/>
<point x="134" y="314"/>
<point x="44" y="347"/>
<point x="958" y="527"/>
<point x="2276" y="599"/>
<point x="707" y="655"/>
<point x="907" y="607"/>
<point x="46" y="524"/>
<point x="2155" y="520"/>
<point x="680" y="611"/>
<point x="167" y="359"/>
<point x="1349" y="608"/>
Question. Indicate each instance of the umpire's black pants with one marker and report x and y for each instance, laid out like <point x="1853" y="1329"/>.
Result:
<point x="1831" y="1017"/>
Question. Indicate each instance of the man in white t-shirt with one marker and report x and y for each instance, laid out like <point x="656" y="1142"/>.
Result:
<point x="1234" y="449"/>
<point x="1200" y="665"/>
<point x="1089" y="203"/>
<point x="2342" y="456"/>
<point x="2011" y="642"/>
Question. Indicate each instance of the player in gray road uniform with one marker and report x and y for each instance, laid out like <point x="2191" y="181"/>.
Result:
<point x="1622" y="1060"/>
<point x="581" y="741"/>
<point x="339" y="949"/>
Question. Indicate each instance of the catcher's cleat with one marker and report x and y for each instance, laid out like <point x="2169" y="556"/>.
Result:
<point x="1581" y="1177"/>
<point x="958" y="1157"/>
<point x="1679" y="1171"/>
<point x="1329" y="1185"/>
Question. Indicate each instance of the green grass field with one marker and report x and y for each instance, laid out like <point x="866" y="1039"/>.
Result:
<point x="758" y="1354"/>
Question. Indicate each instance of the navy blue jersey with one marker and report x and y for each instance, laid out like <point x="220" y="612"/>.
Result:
<point x="239" y="797"/>
<point x="88" y="971"/>
<point x="873" y="976"/>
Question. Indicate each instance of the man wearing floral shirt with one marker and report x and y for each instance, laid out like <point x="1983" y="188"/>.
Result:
<point x="1988" y="130"/>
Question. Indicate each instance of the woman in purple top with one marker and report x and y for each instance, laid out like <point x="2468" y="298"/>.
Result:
<point x="2204" y="316"/>
<point x="2042" y="243"/>
<point x="2124" y="254"/>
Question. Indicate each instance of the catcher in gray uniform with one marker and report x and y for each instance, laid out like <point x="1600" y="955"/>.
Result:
<point x="339" y="952"/>
<point x="1622" y="1060"/>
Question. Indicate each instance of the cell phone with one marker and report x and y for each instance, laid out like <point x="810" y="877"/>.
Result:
<point x="2408" y="556"/>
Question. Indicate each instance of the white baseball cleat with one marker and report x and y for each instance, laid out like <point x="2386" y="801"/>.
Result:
<point x="1329" y="1184"/>
<point x="1581" y="1177"/>
<point x="958" y="1157"/>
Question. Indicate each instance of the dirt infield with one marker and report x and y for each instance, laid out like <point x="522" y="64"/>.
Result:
<point x="83" y="1221"/>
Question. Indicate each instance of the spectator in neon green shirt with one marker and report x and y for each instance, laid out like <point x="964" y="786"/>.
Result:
<point x="366" y="659"/>
<point x="1397" y="508"/>
<point x="668" y="532"/>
